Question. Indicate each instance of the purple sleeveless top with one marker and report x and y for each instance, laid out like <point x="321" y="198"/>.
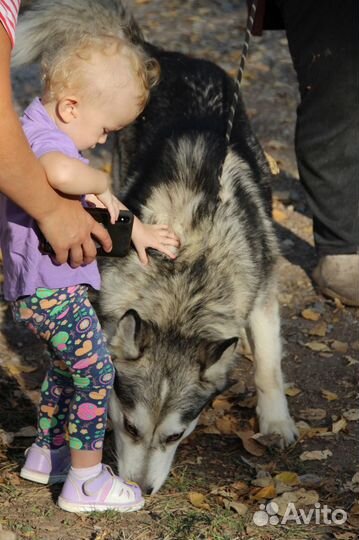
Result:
<point x="25" y="267"/>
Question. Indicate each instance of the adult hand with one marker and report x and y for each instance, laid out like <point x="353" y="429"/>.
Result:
<point x="69" y="230"/>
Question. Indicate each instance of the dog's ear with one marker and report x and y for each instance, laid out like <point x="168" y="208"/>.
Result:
<point x="217" y="360"/>
<point x="131" y="336"/>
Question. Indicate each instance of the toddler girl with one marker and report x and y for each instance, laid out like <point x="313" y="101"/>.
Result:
<point x="96" y="86"/>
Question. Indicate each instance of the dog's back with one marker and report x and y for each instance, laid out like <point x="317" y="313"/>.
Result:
<point x="179" y="171"/>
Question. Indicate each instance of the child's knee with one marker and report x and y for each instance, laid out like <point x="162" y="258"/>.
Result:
<point x="94" y="374"/>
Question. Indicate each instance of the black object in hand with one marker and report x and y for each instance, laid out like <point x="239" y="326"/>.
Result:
<point x="120" y="233"/>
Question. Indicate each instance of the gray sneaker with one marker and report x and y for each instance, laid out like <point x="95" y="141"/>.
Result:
<point x="337" y="276"/>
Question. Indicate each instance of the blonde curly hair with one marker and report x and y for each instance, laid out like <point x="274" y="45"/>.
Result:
<point x="67" y="69"/>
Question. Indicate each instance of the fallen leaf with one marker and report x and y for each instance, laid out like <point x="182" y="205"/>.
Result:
<point x="351" y="415"/>
<point x="303" y="427"/>
<point x="318" y="432"/>
<point x="353" y="520"/>
<point x="282" y="488"/>
<point x="310" y="315"/>
<point x="221" y="404"/>
<point x="227" y="425"/>
<point x="248" y="402"/>
<point x="226" y="492"/>
<point x="269" y="441"/>
<point x="273" y="165"/>
<point x="300" y="498"/>
<point x="355" y="509"/>
<point x="292" y="391"/>
<point x="338" y="304"/>
<point x="315" y="455"/>
<point x="287" y="477"/>
<point x="353" y="485"/>
<point x="238" y="507"/>
<point x="313" y="414"/>
<point x="339" y="346"/>
<point x="317" y="346"/>
<point x="306" y="498"/>
<point x="6" y="438"/>
<point x="240" y="487"/>
<point x="211" y="430"/>
<point x="267" y="492"/>
<point x="329" y="396"/>
<point x="198" y="500"/>
<point x="319" y="329"/>
<point x="103" y="535"/>
<point x="15" y="369"/>
<point x="250" y="444"/>
<point x="264" y="479"/>
<point x="279" y="215"/>
<point x="351" y="361"/>
<point x="339" y="425"/>
<point x="207" y="418"/>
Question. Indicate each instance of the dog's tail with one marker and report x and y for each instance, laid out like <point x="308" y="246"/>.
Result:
<point x="50" y="24"/>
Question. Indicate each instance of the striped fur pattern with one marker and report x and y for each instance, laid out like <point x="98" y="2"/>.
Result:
<point x="174" y="326"/>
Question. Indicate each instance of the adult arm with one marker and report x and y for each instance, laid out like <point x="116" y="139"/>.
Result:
<point x="63" y="221"/>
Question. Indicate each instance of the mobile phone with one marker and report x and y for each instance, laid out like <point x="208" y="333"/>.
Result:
<point x="120" y="232"/>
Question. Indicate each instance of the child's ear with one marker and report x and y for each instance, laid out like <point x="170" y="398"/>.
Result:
<point x="67" y="109"/>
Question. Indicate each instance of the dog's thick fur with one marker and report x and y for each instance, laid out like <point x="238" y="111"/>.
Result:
<point x="173" y="326"/>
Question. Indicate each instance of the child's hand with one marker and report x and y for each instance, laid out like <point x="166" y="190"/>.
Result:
<point x="155" y="236"/>
<point x="113" y="205"/>
<point x="92" y="200"/>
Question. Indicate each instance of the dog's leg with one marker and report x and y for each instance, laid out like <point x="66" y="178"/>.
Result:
<point x="272" y="408"/>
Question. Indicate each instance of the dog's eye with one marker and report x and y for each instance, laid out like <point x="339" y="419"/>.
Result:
<point x="173" y="438"/>
<point x="131" y="429"/>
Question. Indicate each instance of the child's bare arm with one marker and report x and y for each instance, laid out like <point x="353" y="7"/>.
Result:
<point x="71" y="176"/>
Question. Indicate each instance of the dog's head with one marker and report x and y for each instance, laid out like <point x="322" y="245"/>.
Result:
<point x="163" y="382"/>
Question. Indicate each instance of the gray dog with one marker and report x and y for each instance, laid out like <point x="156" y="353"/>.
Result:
<point x="174" y="326"/>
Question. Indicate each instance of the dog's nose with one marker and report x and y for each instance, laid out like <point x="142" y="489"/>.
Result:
<point x="149" y="490"/>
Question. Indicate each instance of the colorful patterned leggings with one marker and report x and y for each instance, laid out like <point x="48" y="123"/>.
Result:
<point x="75" y="392"/>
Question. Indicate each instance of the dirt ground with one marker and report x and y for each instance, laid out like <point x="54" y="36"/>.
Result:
<point x="222" y="477"/>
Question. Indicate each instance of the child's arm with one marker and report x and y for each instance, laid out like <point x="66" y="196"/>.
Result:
<point x="71" y="176"/>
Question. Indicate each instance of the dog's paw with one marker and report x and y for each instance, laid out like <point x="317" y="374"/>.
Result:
<point x="274" y="417"/>
<point x="285" y="427"/>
